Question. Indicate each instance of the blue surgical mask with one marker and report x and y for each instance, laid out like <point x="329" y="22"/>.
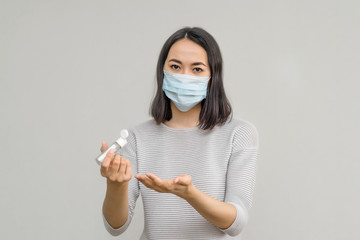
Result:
<point x="185" y="91"/>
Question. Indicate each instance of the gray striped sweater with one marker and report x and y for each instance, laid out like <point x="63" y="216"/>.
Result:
<point x="221" y="162"/>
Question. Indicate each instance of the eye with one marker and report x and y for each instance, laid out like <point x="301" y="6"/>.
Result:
<point x="198" y="70"/>
<point x="176" y="67"/>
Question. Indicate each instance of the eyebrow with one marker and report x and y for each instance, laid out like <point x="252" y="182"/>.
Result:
<point x="193" y="64"/>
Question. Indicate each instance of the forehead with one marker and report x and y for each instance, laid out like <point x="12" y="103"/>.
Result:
<point x="187" y="51"/>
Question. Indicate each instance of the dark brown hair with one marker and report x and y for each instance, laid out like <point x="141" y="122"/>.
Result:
<point x="215" y="108"/>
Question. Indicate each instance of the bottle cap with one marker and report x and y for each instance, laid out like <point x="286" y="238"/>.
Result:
<point x="124" y="133"/>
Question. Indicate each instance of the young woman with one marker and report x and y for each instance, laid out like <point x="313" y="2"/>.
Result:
<point x="193" y="164"/>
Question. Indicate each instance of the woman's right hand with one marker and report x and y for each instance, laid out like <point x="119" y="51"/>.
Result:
<point x="115" y="168"/>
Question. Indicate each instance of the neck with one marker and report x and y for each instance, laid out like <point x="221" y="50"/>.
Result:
<point x="184" y="119"/>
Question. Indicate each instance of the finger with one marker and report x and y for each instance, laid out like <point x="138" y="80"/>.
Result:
<point x="140" y="177"/>
<point x="107" y="160"/>
<point x="114" y="167"/>
<point x="128" y="171"/>
<point x="155" y="179"/>
<point x="162" y="185"/>
<point x="104" y="146"/>
<point x="180" y="181"/>
<point x="146" y="181"/>
<point x="122" y="166"/>
<point x="176" y="180"/>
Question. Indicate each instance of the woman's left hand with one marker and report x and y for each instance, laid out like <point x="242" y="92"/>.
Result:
<point x="180" y="185"/>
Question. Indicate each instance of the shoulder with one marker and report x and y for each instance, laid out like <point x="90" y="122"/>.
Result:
<point x="146" y="127"/>
<point x="243" y="132"/>
<point x="237" y="124"/>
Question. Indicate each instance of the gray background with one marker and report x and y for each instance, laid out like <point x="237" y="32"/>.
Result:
<point x="74" y="73"/>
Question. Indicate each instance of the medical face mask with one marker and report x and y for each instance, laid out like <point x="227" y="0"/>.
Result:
<point x="185" y="91"/>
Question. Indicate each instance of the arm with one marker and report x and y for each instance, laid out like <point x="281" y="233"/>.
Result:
<point x="115" y="206"/>
<point x="122" y="190"/>
<point x="231" y="215"/>
<point x="217" y="212"/>
<point x="119" y="207"/>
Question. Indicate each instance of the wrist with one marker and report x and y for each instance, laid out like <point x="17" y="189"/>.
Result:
<point x="190" y="193"/>
<point x="116" y="186"/>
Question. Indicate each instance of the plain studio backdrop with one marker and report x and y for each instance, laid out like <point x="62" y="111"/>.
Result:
<point x="74" y="73"/>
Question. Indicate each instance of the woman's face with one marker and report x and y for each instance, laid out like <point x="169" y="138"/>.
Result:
<point x="187" y="57"/>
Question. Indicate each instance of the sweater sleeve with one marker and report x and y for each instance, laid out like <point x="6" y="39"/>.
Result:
<point x="241" y="174"/>
<point x="129" y="152"/>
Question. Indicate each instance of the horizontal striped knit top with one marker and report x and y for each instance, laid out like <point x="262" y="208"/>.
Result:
<point x="221" y="162"/>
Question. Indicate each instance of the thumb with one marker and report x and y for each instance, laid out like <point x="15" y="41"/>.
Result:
<point x="183" y="180"/>
<point x="104" y="146"/>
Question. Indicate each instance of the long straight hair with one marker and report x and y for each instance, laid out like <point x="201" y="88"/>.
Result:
<point x="215" y="108"/>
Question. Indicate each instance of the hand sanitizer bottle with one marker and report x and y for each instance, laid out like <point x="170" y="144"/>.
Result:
<point x="120" y="143"/>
